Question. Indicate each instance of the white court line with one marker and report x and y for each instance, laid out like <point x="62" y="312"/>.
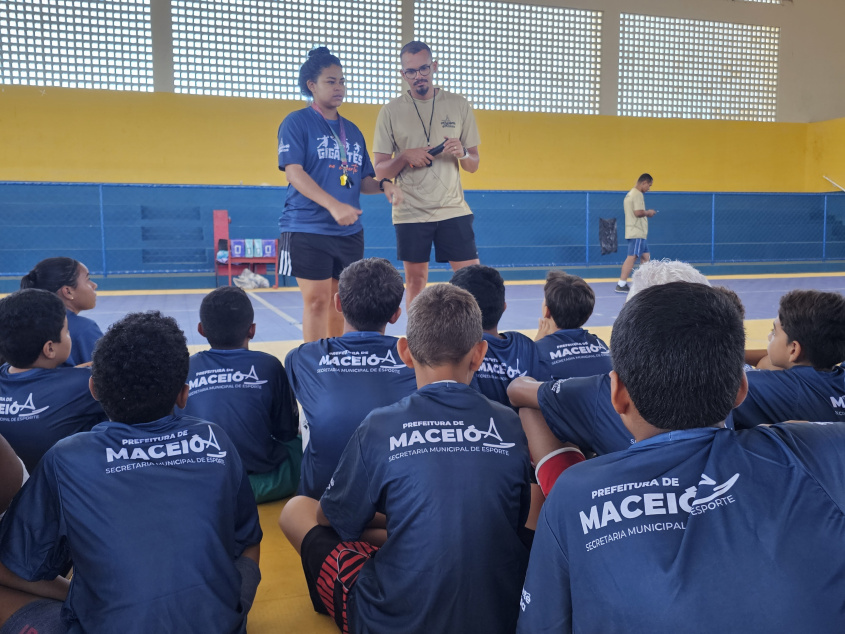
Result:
<point x="280" y="313"/>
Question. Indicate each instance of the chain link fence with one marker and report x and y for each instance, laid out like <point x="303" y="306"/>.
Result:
<point x="166" y="229"/>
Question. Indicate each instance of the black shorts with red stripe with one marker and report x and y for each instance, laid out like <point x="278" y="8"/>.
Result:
<point x="331" y="568"/>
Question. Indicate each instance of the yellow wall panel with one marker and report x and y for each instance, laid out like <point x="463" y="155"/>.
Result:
<point x="825" y="155"/>
<point x="54" y="134"/>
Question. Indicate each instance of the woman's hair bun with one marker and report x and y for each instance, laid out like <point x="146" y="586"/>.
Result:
<point x="320" y="51"/>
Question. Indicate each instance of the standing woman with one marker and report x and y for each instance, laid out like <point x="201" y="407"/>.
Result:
<point x="71" y="281"/>
<point x="325" y="159"/>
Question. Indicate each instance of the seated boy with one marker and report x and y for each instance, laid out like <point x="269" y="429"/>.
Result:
<point x="40" y="401"/>
<point x="650" y="539"/>
<point x="579" y="410"/>
<point x="449" y="469"/>
<point x="566" y="349"/>
<point x="509" y="354"/>
<point x="156" y="509"/>
<point x="247" y="393"/>
<point x="807" y="344"/>
<point x="338" y="381"/>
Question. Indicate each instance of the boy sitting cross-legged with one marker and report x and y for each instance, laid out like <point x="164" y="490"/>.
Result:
<point x="509" y="354"/>
<point x="649" y="538"/>
<point x="338" y="381"/>
<point x="40" y="401"/>
<point x="247" y="393"/>
<point x="566" y="349"/>
<point x="806" y="345"/>
<point x="154" y="509"/>
<point x="450" y="471"/>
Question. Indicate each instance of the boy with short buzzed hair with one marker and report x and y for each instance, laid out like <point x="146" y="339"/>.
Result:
<point x="40" y="401"/>
<point x="450" y="470"/>
<point x="566" y="349"/>
<point x="691" y="508"/>
<point x="338" y="381"/>
<point x="247" y="393"/>
<point x="154" y="508"/>
<point x="509" y="354"/>
<point x="807" y="344"/>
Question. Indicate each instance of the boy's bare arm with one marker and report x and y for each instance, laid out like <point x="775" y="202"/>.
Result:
<point x="252" y="552"/>
<point x="11" y="474"/>
<point x="753" y="357"/>
<point x="53" y="589"/>
<point x="522" y="392"/>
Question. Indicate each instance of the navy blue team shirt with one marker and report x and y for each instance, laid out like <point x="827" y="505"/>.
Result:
<point x="576" y="352"/>
<point x="339" y="381"/>
<point x="153" y="515"/>
<point x="800" y="393"/>
<point x="39" y="407"/>
<point x="450" y="470"/>
<point x="84" y="333"/>
<point x="579" y="411"/>
<point x="707" y="530"/>
<point x="507" y="358"/>
<point x="247" y="393"/>
<point x="306" y="139"/>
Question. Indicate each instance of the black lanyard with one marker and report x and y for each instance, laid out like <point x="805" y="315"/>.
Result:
<point x="430" y="121"/>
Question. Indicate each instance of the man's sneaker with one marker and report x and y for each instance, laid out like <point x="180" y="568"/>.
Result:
<point x="623" y="289"/>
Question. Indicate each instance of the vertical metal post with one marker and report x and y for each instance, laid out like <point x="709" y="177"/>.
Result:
<point x="103" y="230"/>
<point x="713" y="229"/>
<point x="824" y="231"/>
<point x="587" y="232"/>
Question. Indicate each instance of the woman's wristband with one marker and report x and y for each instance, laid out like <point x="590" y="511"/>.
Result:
<point x="382" y="182"/>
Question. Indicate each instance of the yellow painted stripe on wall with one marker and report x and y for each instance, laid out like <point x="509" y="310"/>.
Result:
<point x="75" y="135"/>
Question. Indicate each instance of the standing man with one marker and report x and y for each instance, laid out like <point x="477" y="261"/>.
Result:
<point x="434" y="209"/>
<point x="636" y="229"/>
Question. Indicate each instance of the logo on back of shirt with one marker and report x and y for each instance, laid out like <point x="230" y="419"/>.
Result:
<point x="10" y="407"/>
<point x="491" y="367"/>
<point x="166" y="450"/>
<point x="448" y="436"/>
<point x="838" y="405"/>
<point x="222" y="376"/>
<point x="666" y="499"/>
<point x="358" y="361"/>
<point x="570" y="351"/>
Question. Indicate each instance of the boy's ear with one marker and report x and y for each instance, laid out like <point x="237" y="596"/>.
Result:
<point x="795" y="351"/>
<point x="48" y="350"/>
<point x="477" y="355"/>
<point x="395" y="317"/>
<point x="251" y="332"/>
<point x="91" y="388"/>
<point x="405" y="352"/>
<point x="546" y="312"/>
<point x="504" y="307"/>
<point x="200" y="330"/>
<point x="336" y="300"/>
<point x="619" y="397"/>
<point x="742" y="392"/>
<point x="182" y="398"/>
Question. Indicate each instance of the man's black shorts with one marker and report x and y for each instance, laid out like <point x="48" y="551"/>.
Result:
<point x="454" y="240"/>
<point x="312" y="256"/>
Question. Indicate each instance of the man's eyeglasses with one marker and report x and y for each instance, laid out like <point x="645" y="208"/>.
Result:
<point x="410" y="73"/>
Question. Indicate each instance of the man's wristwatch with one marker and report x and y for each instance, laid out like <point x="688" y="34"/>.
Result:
<point x="466" y="153"/>
<point x="382" y="182"/>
